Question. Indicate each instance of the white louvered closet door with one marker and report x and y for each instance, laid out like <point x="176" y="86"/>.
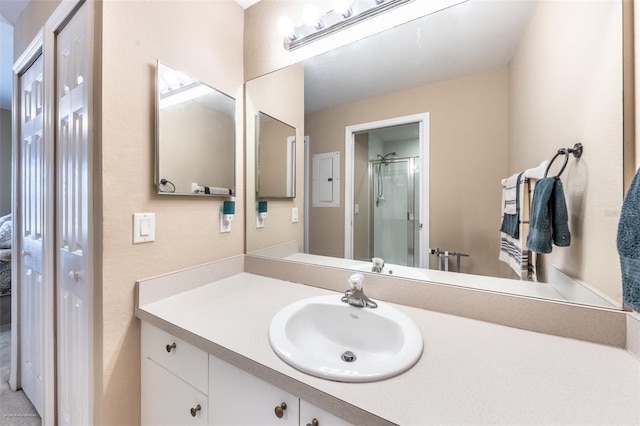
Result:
<point x="31" y="233"/>
<point x="73" y="242"/>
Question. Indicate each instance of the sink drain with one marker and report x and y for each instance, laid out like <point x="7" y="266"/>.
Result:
<point x="348" y="356"/>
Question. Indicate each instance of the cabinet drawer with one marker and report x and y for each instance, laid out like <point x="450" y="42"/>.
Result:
<point x="168" y="400"/>
<point x="179" y="357"/>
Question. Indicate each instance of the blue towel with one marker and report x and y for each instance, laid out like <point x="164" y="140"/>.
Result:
<point x="629" y="245"/>
<point x="549" y="221"/>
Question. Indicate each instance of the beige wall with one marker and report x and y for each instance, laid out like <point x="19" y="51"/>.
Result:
<point x="361" y="196"/>
<point x="205" y="39"/>
<point x="574" y="97"/>
<point x="468" y="158"/>
<point x="281" y="95"/>
<point x="5" y="161"/>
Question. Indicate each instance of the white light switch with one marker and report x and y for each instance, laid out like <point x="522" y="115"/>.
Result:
<point x="144" y="227"/>
<point x="294" y="215"/>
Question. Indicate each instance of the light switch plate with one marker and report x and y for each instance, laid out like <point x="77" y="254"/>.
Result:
<point x="144" y="227"/>
<point x="294" y="215"/>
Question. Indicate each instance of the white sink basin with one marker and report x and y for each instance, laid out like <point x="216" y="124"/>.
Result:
<point x="325" y="337"/>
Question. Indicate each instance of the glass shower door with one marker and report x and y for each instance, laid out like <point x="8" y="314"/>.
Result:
<point x="392" y="211"/>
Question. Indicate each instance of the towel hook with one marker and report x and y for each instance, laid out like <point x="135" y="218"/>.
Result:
<point x="576" y="151"/>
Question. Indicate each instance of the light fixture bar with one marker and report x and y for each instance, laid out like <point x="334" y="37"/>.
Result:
<point x="334" y="21"/>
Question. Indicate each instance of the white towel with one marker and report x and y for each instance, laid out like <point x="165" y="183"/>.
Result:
<point x="513" y="251"/>
<point x="509" y="195"/>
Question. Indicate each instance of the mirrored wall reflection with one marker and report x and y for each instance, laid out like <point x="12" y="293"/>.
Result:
<point x="275" y="159"/>
<point x="195" y="136"/>
<point x="274" y="151"/>
<point x="505" y="87"/>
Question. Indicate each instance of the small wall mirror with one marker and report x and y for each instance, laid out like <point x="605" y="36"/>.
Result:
<point x="275" y="159"/>
<point x="195" y="136"/>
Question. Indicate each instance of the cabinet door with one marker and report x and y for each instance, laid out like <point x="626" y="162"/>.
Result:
<point x="238" y="398"/>
<point x="310" y="412"/>
<point x="168" y="400"/>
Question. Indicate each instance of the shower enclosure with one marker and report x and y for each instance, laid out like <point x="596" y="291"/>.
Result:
<point x="393" y="209"/>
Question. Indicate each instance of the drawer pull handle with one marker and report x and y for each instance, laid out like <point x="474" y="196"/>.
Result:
<point x="314" y="422"/>
<point x="171" y="347"/>
<point x="280" y="409"/>
<point x="195" y="410"/>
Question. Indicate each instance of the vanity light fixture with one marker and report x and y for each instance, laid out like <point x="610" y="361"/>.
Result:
<point x="344" y="14"/>
<point x="311" y="16"/>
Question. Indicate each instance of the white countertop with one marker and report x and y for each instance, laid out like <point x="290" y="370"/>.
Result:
<point x="471" y="372"/>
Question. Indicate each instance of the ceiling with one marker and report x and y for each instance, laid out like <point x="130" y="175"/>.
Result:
<point x="468" y="38"/>
<point x="10" y="10"/>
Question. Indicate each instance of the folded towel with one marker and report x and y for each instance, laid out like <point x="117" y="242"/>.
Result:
<point x="548" y="221"/>
<point x="512" y="248"/>
<point x="629" y="245"/>
<point x="511" y="206"/>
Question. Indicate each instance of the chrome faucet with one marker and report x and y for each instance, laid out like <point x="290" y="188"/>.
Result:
<point x="355" y="296"/>
<point x="378" y="265"/>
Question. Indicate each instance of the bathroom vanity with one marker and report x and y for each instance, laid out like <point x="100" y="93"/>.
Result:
<point x="206" y="359"/>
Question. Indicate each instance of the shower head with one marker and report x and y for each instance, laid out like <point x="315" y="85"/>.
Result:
<point x="385" y="157"/>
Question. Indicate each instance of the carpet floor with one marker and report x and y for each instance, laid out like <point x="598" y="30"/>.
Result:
<point x="15" y="407"/>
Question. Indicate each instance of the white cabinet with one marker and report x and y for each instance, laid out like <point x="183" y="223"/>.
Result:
<point x="183" y="385"/>
<point x="169" y="400"/>
<point x="238" y="398"/>
<point x="174" y="380"/>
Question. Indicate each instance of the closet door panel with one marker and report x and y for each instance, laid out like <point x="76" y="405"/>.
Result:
<point x="32" y="277"/>
<point x="74" y="276"/>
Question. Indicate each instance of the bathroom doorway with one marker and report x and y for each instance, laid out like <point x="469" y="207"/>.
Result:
<point x="386" y="191"/>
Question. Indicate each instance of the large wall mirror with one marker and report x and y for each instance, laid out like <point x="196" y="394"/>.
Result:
<point x="275" y="159"/>
<point x="504" y="84"/>
<point x="195" y="136"/>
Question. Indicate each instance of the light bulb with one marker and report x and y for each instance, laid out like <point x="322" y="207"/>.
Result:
<point x="343" y="7"/>
<point x="311" y="16"/>
<point x="285" y="28"/>
<point x="170" y="78"/>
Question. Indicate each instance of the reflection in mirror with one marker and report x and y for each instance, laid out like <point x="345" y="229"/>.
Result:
<point x="195" y="136"/>
<point x="505" y="85"/>
<point x="275" y="159"/>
